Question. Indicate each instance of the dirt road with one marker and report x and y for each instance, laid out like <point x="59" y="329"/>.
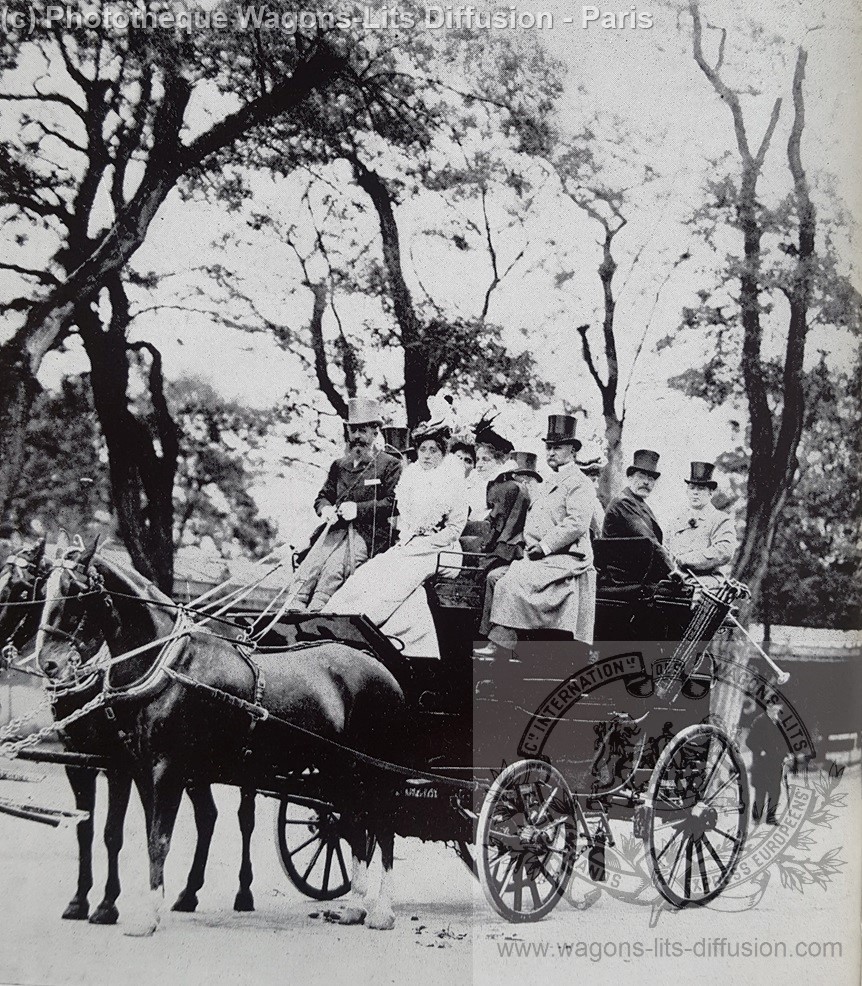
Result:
<point x="446" y="934"/>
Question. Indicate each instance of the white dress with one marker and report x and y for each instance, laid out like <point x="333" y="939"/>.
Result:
<point x="388" y="589"/>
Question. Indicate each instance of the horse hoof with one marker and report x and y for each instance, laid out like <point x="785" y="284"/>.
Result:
<point x="380" y="921"/>
<point x="349" y="915"/>
<point x="105" y="914"/>
<point x="244" y="901"/>
<point x="186" y="903"/>
<point x="76" y="911"/>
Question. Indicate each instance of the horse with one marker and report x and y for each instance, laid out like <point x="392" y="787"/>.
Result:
<point x="193" y="704"/>
<point x="22" y="581"/>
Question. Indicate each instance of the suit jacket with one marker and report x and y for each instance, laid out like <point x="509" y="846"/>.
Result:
<point x="508" y="513"/>
<point x="559" y="516"/>
<point x="371" y="486"/>
<point x="630" y="517"/>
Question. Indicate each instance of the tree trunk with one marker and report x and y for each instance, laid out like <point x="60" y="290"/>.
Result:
<point x="412" y="336"/>
<point x="141" y="480"/>
<point x="613" y="475"/>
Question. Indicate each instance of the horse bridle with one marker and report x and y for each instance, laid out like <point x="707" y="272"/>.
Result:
<point x="91" y="584"/>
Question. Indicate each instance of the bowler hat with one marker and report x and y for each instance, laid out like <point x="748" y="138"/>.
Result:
<point x="701" y="475"/>
<point x="561" y="430"/>
<point x="646" y="461"/>
<point x="527" y="463"/>
<point x="363" y="411"/>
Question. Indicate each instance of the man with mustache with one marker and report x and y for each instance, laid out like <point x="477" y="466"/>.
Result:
<point x="358" y="499"/>
<point x="629" y="515"/>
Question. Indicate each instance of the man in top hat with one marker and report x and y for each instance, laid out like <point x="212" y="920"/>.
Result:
<point x="629" y="516"/>
<point x="527" y="473"/>
<point x="358" y="499"/>
<point x="703" y="539"/>
<point x="554" y="585"/>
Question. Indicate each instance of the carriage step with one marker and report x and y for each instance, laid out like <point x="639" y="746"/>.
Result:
<point x="13" y="775"/>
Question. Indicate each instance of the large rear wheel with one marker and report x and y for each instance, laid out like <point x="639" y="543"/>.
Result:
<point x="525" y="841"/>
<point x="697" y="815"/>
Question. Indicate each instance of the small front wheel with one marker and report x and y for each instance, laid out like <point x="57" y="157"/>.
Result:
<point x="697" y="815"/>
<point x="525" y="841"/>
<point x="312" y="851"/>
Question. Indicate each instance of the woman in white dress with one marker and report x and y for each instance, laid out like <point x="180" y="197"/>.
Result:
<point x="432" y="511"/>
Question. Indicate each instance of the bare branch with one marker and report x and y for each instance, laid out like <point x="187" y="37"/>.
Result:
<point x="41" y="275"/>
<point x="588" y="357"/>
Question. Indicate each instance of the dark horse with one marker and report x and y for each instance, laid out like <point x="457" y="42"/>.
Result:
<point x="179" y="705"/>
<point x="22" y="583"/>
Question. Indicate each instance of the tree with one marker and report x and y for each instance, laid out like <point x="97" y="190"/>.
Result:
<point x="804" y="276"/>
<point x="65" y="482"/>
<point x="813" y="574"/>
<point x="609" y="193"/>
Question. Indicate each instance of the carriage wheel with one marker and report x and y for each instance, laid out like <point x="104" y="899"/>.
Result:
<point x="525" y="840"/>
<point x="697" y="815"/>
<point x="312" y="851"/>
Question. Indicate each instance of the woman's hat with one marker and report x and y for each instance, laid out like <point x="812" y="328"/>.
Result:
<point x="527" y="464"/>
<point x="363" y="411"/>
<point x="644" y="460"/>
<point x="485" y="435"/>
<point x="701" y="475"/>
<point x="561" y="430"/>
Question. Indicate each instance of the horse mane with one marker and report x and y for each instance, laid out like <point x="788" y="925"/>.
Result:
<point x="132" y="581"/>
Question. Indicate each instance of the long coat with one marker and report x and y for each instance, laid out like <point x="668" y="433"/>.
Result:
<point x="703" y="541"/>
<point x="371" y="486"/>
<point x="556" y="592"/>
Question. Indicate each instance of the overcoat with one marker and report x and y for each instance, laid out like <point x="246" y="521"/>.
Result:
<point x="703" y="541"/>
<point x="559" y="590"/>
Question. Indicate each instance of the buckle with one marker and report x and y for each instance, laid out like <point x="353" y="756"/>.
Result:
<point x="109" y="712"/>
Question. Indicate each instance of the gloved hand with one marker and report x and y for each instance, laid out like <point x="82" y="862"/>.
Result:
<point x="347" y="510"/>
<point x="534" y="552"/>
<point x="327" y="513"/>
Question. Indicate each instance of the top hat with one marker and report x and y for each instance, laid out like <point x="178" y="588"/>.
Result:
<point x="527" y="463"/>
<point x="363" y="411"/>
<point x="397" y="439"/>
<point x="561" y="430"/>
<point x="646" y="461"/>
<point x="701" y="475"/>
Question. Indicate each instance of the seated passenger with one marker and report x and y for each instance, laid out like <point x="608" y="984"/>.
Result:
<point x="553" y="587"/>
<point x="432" y="508"/>
<point x="702" y="538"/>
<point x="629" y="516"/>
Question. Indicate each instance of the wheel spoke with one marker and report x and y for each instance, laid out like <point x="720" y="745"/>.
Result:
<point x="714" y="768"/>
<point x="735" y="839"/>
<point x="718" y="861"/>
<point x="314" y="859"/>
<point x="504" y="884"/>
<point x="689" y="850"/>
<point x="669" y="843"/>
<point x="326" y="867"/>
<point x="341" y="862"/>
<point x="537" y="897"/>
<point x="702" y="865"/>
<point x="304" y="844"/>
<point x="518" y="888"/>
<point x="675" y="863"/>
<point x="712" y="797"/>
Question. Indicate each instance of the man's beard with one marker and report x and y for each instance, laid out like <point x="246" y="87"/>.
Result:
<point x="361" y="449"/>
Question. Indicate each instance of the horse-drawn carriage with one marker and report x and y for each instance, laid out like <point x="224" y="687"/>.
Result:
<point x="525" y="759"/>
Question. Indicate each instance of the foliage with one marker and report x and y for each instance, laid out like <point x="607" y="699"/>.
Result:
<point x="65" y="481"/>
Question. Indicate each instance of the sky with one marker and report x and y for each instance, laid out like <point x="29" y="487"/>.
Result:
<point x="637" y="87"/>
